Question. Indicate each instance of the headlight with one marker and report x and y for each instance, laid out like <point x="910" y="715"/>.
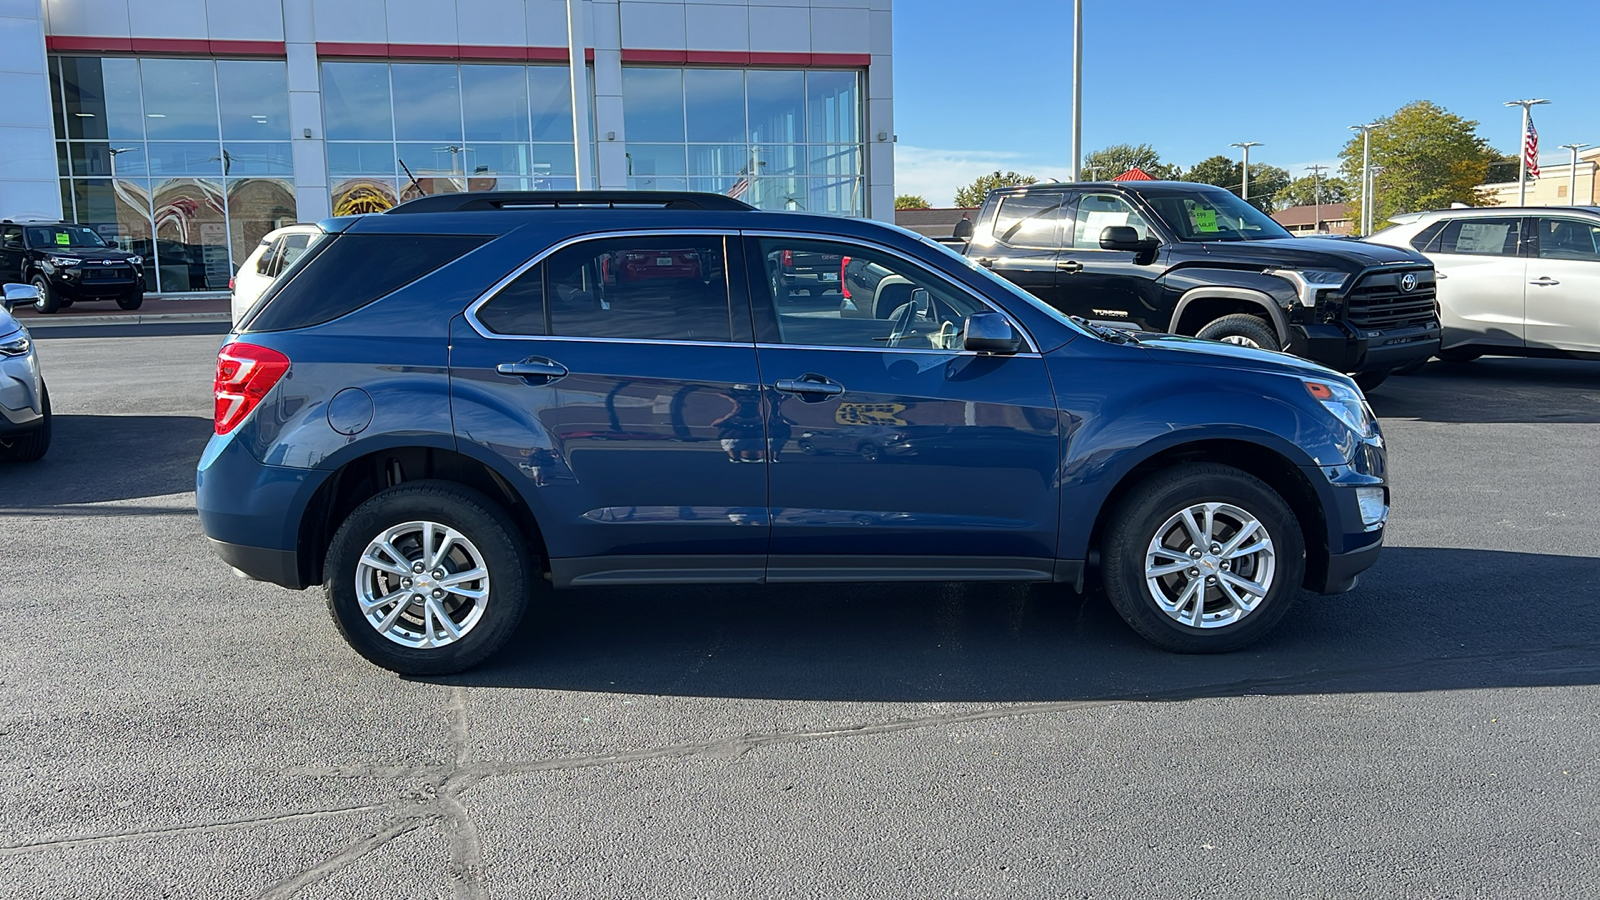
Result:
<point x="64" y="261"/>
<point x="1308" y="283"/>
<point x="136" y="260"/>
<point x="15" y="345"/>
<point x="1346" y="404"/>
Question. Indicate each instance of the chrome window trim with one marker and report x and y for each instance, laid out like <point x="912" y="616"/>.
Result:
<point x="494" y="290"/>
<point x="1033" y="348"/>
<point x="1022" y="354"/>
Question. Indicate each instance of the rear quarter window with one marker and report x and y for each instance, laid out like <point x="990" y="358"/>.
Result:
<point x="346" y="272"/>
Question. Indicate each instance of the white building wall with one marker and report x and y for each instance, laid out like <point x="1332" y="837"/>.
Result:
<point x="799" y="33"/>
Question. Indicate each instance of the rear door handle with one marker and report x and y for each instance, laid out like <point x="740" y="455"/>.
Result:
<point x="533" y="369"/>
<point x="1546" y="280"/>
<point x="815" y="385"/>
<point x="1070" y="266"/>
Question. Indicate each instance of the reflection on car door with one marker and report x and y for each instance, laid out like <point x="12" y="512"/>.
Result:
<point x="1482" y="275"/>
<point x="1563" y="292"/>
<point x="893" y="450"/>
<point x="611" y="377"/>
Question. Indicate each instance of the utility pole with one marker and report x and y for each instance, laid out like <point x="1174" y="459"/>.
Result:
<point x="1077" y="89"/>
<point x="578" y="62"/>
<point x="1316" y="195"/>
<point x="1522" y="148"/>
<point x="1244" y="188"/>
<point x="1572" y="183"/>
<point x="1366" y="176"/>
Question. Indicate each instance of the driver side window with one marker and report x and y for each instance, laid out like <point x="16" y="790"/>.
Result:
<point x="1097" y="212"/>
<point x="859" y="297"/>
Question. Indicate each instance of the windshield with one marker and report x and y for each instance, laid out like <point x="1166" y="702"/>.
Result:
<point x="1011" y="289"/>
<point x="1210" y="214"/>
<point x="63" y="237"/>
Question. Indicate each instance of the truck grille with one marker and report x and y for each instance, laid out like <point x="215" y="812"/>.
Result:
<point x="1376" y="302"/>
<point x="107" y="273"/>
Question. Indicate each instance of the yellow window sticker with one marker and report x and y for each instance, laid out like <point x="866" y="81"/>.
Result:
<point x="1205" y="219"/>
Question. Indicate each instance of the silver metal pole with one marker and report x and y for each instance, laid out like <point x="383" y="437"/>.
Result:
<point x="1522" y="148"/>
<point x="1077" y="89"/>
<point x="1244" y="184"/>
<point x="1366" y="181"/>
<point x="1572" y="181"/>
<point x="1316" y="195"/>
<point x="579" y="67"/>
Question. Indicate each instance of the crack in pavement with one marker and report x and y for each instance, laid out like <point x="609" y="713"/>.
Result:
<point x="202" y="828"/>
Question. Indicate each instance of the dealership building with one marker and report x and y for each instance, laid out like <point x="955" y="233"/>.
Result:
<point x="184" y="130"/>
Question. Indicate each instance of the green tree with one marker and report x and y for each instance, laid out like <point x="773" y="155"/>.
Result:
<point x="1218" y="170"/>
<point x="1106" y="164"/>
<point x="911" y="201"/>
<point x="1265" y="180"/>
<point x="973" y="194"/>
<point x="1304" y="192"/>
<point x="1430" y="158"/>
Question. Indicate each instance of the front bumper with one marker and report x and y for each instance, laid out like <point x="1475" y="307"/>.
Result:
<point x="1344" y="348"/>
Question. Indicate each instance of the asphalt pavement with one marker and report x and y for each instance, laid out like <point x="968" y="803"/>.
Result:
<point x="170" y="730"/>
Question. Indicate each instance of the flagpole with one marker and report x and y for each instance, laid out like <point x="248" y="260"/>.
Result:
<point x="1522" y="148"/>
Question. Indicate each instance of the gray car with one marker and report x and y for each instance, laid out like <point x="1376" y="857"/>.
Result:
<point x="24" y="401"/>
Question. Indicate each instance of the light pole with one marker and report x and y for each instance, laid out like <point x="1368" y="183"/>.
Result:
<point x="1522" y="147"/>
<point x="1316" y="195"/>
<point x="1094" y="172"/>
<point x="1077" y="89"/>
<point x="113" y="151"/>
<point x="1366" y="176"/>
<point x="577" y="62"/>
<point x="1244" y="187"/>
<point x="1572" y="183"/>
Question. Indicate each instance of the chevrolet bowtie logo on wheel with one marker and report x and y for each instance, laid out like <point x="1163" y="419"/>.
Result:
<point x="1408" y="282"/>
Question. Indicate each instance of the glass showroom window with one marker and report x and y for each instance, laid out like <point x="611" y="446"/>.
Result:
<point x="778" y="139"/>
<point x="183" y="161"/>
<point x="397" y="131"/>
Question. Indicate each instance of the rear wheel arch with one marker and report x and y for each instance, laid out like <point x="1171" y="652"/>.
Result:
<point x="1203" y="305"/>
<point x="1279" y="472"/>
<point x="359" y="479"/>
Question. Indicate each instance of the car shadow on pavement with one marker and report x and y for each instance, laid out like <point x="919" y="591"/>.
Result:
<point x="93" y="459"/>
<point x="1494" y="390"/>
<point x="1423" y="619"/>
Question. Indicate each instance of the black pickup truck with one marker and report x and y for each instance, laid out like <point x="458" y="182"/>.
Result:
<point x="1193" y="259"/>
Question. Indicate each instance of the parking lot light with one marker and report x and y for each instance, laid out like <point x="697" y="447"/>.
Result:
<point x="1572" y="183"/>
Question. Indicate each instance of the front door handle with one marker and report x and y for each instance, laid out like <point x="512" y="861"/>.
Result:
<point x="810" y="387"/>
<point x="1545" y="280"/>
<point x="534" y="369"/>
<point x="986" y="262"/>
<point x="1070" y="266"/>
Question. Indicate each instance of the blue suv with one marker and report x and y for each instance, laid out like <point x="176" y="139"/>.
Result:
<point x="441" y="406"/>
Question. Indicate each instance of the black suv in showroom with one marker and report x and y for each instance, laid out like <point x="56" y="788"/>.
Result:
<point x="1193" y="259"/>
<point x="66" y="263"/>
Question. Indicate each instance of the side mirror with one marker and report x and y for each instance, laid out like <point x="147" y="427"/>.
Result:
<point x="16" y="294"/>
<point x="990" y="332"/>
<point x="1126" y="237"/>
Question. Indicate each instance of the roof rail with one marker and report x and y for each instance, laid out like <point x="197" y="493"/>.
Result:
<point x="484" y="200"/>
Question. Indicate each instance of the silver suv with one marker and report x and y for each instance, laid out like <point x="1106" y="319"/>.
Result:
<point x="1513" y="281"/>
<point x="24" y="401"/>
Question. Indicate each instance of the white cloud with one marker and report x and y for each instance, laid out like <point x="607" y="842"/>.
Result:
<point x="937" y="174"/>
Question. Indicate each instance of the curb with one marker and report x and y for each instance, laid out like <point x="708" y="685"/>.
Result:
<point x="33" y="323"/>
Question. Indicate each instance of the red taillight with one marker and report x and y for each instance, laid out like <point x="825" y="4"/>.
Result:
<point x="230" y="284"/>
<point x="844" y="285"/>
<point x="788" y="259"/>
<point x="245" y="373"/>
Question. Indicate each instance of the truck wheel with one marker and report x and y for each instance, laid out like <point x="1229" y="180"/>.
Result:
<point x="49" y="298"/>
<point x="1369" y="381"/>
<point x="1202" y="558"/>
<point x="132" y="300"/>
<point x="427" y="578"/>
<point x="1243" y="329"/>
<point x="31" y="446"/>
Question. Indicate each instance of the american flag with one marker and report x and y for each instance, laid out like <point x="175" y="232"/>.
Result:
<point x="1530" y="149"/>
<point x="739" y="187"/>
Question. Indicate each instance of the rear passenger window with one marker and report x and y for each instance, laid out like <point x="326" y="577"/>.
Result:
<point x="643" y="288"/>
<point x="1030" y="221"/>
<point x="1097" y="212"/>
<point x="519" y="307"/>
<point x="1479" y="237"/>
<point x="346" y="272"/>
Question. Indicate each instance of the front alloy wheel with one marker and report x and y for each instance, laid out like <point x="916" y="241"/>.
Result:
<point x="1210" y="565"/>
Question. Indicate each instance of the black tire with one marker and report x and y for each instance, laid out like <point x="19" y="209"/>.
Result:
<point x="49" y="298"/>
<point x="501" y="544"/>
<point x="1148" y="507"/>
<point x="1369" y="381"/>
<point x="33" y="445"/>
<point x="1458" y="356"/>
<point x="869" y="451"/>
<point x="1241" y="327"/>
<point x="1410" y="367"/>
<point x="132" y="300"/>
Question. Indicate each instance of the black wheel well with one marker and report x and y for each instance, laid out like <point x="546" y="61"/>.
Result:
<point x="361" y="478"/>
<point x="1201" y="311"/>
<point x="1280" y="474"/>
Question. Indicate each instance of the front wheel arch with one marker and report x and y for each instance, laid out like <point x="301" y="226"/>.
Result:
<point x="1202" y="305"/>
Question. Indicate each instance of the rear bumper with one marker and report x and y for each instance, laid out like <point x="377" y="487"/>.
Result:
<point x="1345" y="348"/>
<point x="281" y="567"/>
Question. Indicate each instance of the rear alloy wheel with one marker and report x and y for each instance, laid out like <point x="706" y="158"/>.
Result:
<point x="131" y="300"/>
<point x="49" y="298"/>
<point x="427" y="578"/>
<point x="1242" y="329"/>
<point x="31" y="446"/>
<point x="1203" y="558"/>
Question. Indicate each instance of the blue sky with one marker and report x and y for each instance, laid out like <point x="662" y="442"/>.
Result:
<point x="982" y="85"/>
